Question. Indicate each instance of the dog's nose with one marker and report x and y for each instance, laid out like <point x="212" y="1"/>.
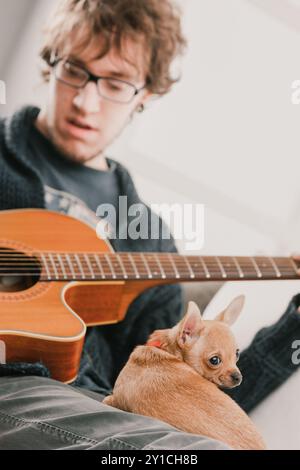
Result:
<point x="236" y="378"/>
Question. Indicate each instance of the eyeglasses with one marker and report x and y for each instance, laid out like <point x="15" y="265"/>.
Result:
<point x="112" y="89"/>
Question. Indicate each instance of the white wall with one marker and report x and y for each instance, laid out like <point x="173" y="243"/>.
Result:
<point x="230" y="128"/>
<point x="13" y="19"/>
<point x="24" y="84"/>
<point x="227" y="136"/>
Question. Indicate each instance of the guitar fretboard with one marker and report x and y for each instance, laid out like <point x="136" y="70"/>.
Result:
<point x="145" y="266"/>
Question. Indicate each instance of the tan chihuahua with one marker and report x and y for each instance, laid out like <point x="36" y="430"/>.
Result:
<point x="176" y="377"/>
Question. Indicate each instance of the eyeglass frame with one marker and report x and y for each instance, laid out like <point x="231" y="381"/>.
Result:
<point x="96" y="79"/>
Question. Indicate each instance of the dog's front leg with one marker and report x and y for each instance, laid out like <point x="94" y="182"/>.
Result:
<point x="109" y="400"/>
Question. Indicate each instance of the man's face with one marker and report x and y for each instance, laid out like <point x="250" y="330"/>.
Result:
<point x="80" y="122"/>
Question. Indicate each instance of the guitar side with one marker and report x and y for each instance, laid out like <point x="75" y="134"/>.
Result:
<point x="38" y="324"/>
<point x="47" y="321"/>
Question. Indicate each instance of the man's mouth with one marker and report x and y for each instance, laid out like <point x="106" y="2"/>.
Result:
<point x="81" y="125"/>
<point x="80" y="130"/>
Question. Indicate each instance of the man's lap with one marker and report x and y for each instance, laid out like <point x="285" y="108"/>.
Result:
<point x="39" y="413"/>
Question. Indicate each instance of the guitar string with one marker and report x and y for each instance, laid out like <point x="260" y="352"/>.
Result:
<point x="211" y="264"/>
<point x="149" y="256"/>
<point x="150" y="260"/>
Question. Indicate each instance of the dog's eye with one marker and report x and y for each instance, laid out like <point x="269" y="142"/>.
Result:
<point x="215" y="360"/>
<point x="237" y="354"/>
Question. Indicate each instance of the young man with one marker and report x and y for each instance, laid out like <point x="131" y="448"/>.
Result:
<point x="104" y="60"/>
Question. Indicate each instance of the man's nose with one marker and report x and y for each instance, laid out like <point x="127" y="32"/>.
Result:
<point x="87" y="99"/>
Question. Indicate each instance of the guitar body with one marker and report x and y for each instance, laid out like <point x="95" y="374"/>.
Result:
<point x="46" y="321"/>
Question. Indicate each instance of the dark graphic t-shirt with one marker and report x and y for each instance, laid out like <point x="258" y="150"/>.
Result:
<point x="70" y="187"/>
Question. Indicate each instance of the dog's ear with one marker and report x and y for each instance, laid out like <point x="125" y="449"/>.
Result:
<point x="191" y="326"/>
<point x="232" y="312"/>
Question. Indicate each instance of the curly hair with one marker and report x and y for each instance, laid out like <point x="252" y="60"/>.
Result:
<point x="155" y="22"/>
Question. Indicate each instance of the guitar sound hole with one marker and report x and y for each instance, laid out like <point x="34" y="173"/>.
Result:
<point x="18" y="271"/>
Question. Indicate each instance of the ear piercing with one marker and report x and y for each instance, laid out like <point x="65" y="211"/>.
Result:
<point x="141" y="108"/>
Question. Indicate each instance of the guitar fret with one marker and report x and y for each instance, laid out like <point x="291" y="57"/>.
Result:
<point x="160" y="266"/>
<point x="134" y="266"/>
<point x="229" y="267"/>
<point x="292" y="262"/>
<point x="53" y="265"/>
<point x="106" y="267"/>
<point x="62" y="266"/>
<point x="266" y="268"/>
<point x="87" y="260"/>
<point x="46" y="266"/>
<point x="100" y="267"/>
<point x="278" y="274"/>
<point x="174" y="266"/>
<point x="224" y="275"/>
<point x="207" y="273"/>
<point x="196" y="267"/>
<point x="192" y="275"/>
<point x="238" y="267"/>
<point x="123" y="267"/>
<point x="79" y="265"/>
<point x="259" y="274"/>
<point x="247" y="267"/>
<point x="213" y="267"/>
<point x="168" y="266"/>
<point x="182" y="268"/>
<point x="141" y="266"/>
<point x="153" y="265"/>
<point x="110" y="266"/>
<point x="147" y="266"/>
<point x="129" y="266"/>
<point x="70" y="266"/>
<point x="116" y="264"/>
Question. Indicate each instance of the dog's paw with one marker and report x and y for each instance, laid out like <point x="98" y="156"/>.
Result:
<point x="108" y="400"/>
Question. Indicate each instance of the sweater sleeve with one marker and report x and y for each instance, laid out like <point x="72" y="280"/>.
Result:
<point x="268" y="362"/>
<point x="21" y="369"/>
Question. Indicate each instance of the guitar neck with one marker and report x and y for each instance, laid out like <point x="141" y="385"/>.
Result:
<point x="145" y="266"/>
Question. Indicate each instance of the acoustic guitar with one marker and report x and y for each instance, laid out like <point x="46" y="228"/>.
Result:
<point x="52" y="289"/>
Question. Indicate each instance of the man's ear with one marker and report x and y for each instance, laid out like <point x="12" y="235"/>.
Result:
<point x="232" y="312"/>
<point x="147" y="98"/>
<point x="191" y="326"/>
